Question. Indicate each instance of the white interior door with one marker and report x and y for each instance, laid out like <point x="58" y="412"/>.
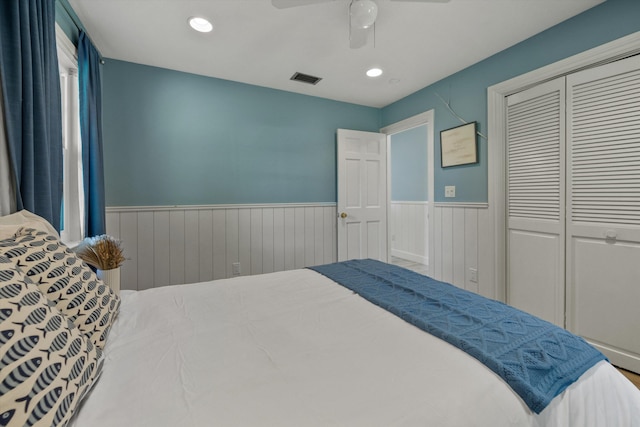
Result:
<point x="536" y="201"/>
<point x="603" y="221"/>
<point x="362" y="195"/>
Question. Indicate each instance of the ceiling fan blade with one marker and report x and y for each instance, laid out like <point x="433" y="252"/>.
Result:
<point x="358" y="37"/>
<point x="424" y="1"/>
<point x="285" y="4"/>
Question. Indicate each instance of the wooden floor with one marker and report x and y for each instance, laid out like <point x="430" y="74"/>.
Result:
<point x="422" y="269"/>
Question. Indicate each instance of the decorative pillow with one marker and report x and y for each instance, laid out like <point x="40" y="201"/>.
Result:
<point x="10" y="224"/>
<point x="65" y="280"/>
<point x="47" y="365"/>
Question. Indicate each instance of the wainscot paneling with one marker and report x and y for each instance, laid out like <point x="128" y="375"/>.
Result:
<point x="186" y="244"/>
<point x="461" y="247"/>
<point x="409" y="231"/>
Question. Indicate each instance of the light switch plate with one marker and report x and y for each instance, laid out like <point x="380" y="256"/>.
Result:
<point x="450" y="191"/>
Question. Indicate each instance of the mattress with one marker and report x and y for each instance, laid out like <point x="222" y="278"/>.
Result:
<point x="296" y="349"/>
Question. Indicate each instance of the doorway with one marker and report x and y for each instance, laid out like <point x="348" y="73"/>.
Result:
<point x="410" y="191"/>
<point x="408" y="216"/>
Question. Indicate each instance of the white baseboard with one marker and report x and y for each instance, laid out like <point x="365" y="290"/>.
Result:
<point x="410" y="257"/>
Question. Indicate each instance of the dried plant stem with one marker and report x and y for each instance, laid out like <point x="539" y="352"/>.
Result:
<point x="102" y="252"/>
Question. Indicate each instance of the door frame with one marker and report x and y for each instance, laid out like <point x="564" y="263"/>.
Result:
<point x="426" y="118"/>
<point x="496" y="108"/>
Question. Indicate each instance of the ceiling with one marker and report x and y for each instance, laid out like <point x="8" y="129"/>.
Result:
<point x="416" y="44"/>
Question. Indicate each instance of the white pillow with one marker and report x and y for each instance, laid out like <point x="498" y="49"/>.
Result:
<point x="10" y="224"/>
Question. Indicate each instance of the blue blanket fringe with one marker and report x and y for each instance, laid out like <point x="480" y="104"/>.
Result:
<point x="536" y="358"/>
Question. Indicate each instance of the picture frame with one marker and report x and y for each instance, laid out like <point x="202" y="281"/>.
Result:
<point x="458" y="145"/>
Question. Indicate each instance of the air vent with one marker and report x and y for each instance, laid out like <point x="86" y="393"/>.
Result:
<point x="305" y="78"/>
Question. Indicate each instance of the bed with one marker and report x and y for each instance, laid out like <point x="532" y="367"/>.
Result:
<point x="292" y="348"/>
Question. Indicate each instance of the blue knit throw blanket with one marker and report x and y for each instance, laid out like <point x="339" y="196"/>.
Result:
<point x="536" y="358"/>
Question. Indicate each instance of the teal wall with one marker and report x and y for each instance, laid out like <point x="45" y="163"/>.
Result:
<point x="409" y="165"/>
<point x="173" y="138"/>
<point x="177" y="138"/>
<point x="466" y="90"/>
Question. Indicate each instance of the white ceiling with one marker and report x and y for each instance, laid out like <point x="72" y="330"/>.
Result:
<point x="416" y="44"/>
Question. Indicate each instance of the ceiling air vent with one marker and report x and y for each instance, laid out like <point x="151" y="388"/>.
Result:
<point x="305" y="78"/>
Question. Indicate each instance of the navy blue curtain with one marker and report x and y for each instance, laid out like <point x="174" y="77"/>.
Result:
<point x="91" y="134"/>
<point x="31" y="99"/>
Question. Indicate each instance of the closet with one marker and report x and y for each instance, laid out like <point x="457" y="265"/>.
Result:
<point x="573" y="205"/>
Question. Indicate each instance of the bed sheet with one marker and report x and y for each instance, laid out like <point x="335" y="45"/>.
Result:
<point x="296" y="349"/>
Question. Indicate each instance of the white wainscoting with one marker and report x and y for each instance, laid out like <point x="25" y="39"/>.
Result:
<point x="409" y="231"/>
<point x="462" y="240"/>
<point x="185" y="244"/>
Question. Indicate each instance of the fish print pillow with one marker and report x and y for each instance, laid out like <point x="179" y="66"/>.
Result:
<point x="65" y="280"/>
<point x="47" y="365"/>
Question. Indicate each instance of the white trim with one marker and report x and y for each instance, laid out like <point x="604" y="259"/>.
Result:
<point x="65" y="45"/>
<point x="609" y="52"/>
<point x="73" y="228"/>
<point x="461" y="205"/>
<point x="407" y="202"/>
<point x="410" y="257"/>
<point x="425" y="118"/>
<point x="113" y="209"/>
<point x="496" y="107"/>
<point x="7" y="181"/>
<point x="409" y="123"/>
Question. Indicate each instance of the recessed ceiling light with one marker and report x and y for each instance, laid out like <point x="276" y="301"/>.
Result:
<point x="200" y="24"/>
<point x="374" y="72"/>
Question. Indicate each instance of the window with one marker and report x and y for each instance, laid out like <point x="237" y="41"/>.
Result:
<point x="7" y="183"/>
<point x="72" y="218"/>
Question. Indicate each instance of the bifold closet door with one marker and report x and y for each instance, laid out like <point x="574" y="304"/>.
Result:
<point x="535" y="200"/>
<point x="603" y="221"/>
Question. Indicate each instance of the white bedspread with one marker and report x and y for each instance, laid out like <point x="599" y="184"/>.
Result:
<point x="295" y="349"/>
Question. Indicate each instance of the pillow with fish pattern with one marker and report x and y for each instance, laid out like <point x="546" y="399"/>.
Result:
<point x="47" y="365"/>
<point x="65" y="280"/>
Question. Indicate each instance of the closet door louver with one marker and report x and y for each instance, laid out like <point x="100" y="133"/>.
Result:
<point x="535" y="200"/>
<point x="605" y="150"/>
<point x="534" y="158"/>
<point x="603" y="222"/>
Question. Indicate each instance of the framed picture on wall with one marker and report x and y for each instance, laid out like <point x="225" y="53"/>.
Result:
<point x="458" y="146"/>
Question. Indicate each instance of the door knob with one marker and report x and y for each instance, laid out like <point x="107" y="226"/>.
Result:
<point x="343" y="215"/>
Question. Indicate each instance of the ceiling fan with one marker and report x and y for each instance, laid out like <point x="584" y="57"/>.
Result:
<point x="362" y="15"/>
